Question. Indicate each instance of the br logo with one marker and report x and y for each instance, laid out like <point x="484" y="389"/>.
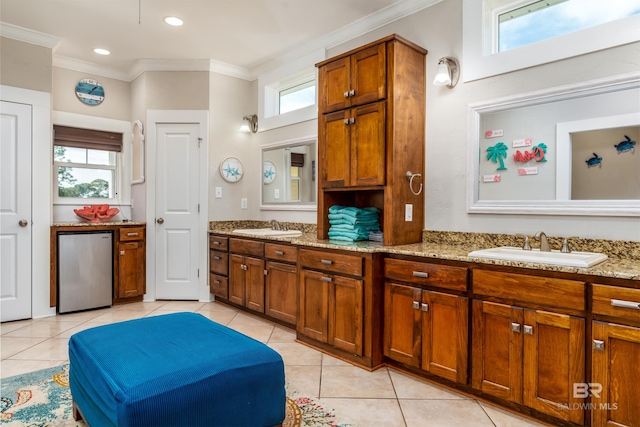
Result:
<point x="584" y="390"/>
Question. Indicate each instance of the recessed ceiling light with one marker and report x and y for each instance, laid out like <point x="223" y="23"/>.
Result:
<point x="172" y="20"/>
<point x="100" y="51"/>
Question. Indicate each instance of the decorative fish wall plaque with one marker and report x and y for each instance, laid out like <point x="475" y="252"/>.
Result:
<point x="594" y="161"/>
<point x="625" y="146"/>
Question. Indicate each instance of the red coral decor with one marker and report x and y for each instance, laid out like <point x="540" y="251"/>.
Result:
<point x="97" y="213"/>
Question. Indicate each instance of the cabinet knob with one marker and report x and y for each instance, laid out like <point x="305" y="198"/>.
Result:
<point x="352" y="92"/>
<point x="424" y="307"/>
<point x="416" y="305"/>
<point x="346" y="93"/>
<point x="598" y="345"/>
<point x="528" y="329"/>
<point x="352" y="120"/>
<point x="346" y="121"/>
<point x="515" y="327"/>
<point x="121" y="253"/>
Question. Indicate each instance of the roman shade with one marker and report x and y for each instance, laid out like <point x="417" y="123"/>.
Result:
<point x="297" y="159"/>
<point x="87" y="138"/>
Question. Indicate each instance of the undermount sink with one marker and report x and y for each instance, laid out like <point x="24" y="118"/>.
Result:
<point x="268" y="232"/>
<point x="554" y="257"/>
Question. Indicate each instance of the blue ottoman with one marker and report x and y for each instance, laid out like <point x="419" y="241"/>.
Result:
<point x="174" y="370"/>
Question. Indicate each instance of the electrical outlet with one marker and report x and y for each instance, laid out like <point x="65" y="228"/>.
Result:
<point x="276" y="193"/>
<point x="243" y="203"/>
<point x="218" y="192"/>
<point x="408" y="212"/>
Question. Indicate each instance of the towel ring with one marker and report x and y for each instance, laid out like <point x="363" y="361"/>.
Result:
<point x="410" y="175"/>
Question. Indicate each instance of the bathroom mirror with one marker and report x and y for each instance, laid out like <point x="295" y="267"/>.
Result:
<point x="571" y="150"/>
<point x="289" y="175"/>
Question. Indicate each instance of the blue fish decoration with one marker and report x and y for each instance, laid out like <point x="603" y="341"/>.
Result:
<point x="594" y="161"/>
<point x="625" y="146"/>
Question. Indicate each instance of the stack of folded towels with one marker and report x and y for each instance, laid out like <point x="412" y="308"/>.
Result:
<point x="351" y="224"/>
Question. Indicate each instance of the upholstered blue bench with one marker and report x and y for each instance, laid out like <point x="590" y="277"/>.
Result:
<point x="174" y="370"/>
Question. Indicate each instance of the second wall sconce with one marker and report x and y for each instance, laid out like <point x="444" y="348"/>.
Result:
<point x="448" y="72"/>
<point x="249" y="124"/>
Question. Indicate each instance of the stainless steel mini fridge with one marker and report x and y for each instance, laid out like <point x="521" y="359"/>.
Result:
<point x="85" y="270"/>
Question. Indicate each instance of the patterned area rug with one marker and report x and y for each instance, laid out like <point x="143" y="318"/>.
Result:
<point x="43" y="399"/>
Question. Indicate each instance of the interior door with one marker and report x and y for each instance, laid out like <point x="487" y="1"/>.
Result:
<point x="177" y="210"/>
<point x="15" y="211"/>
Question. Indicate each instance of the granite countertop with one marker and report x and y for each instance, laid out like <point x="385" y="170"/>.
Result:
<point x="93" y="224"/>
<point x="623" y="262"/>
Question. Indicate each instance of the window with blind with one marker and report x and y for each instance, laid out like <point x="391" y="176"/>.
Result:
<point x="86" y="163"/>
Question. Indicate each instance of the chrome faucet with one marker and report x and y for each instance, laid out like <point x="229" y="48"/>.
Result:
<point x="544" y="243"/>
<point x="275" y="225"/>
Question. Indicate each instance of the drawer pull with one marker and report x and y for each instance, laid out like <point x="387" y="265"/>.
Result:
<point x="326" y="279"/>
<point x="598" y="345"/>
<point x="216" y="257"/>
<point x="421" y="274"/>
<point x="625" y="304"/>
<point x="132" y="234"/>
<point x="326" y="261"/>
<point x="215" y="242"/>
<point x="279" y="253"/>
<point x="515" y="327"/>
<point x="416" y="305"/>
<point x="216" y="282"/>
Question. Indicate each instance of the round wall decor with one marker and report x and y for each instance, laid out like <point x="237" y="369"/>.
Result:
<point x="231" y="169"/>
<point x="90" y="92"/>
<point x="268" y="172"/>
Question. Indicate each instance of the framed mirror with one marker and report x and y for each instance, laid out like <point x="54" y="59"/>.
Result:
<point x="289" y="175"/>
<point x="565" y="151"/>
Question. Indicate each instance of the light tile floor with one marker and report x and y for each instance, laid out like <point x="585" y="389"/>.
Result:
<point x="385" y="397"/>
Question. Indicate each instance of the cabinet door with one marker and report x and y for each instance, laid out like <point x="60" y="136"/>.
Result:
<point x="497" y="350"/>
<point x="254" y="284"/>
<point x="236" y="279"/>
<point x="553" y="363"/>
<point x="131" y="269"/>
<point x="281" y="292"/>
<point x="335" y="149"/>
<point x="445" y="320"/>
<point x="314" y="305"/>
<point x="346" y="314"/>
<point x="368" y="75"/>
<point x="402" y="323"/>
<point x="368" y="145"/>
<point x="616" y="352"/>
<point x="334" y="78"/>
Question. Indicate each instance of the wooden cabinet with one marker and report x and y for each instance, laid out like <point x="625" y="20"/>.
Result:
<point x="338" y="304"/>
<point x="131" y="261"/>
<point x="424" y="328"/>
<point x="371" y="130"/>
<point x="615" y="353"/>
<point x="246" y="273"/>
<point x="219" y="266"/>
<point x="281" y="283"/>
<point x="524" y="352"/>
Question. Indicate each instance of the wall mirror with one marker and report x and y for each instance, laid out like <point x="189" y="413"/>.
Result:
<point x="289" y="175"/>
<point x="572" y="150"/>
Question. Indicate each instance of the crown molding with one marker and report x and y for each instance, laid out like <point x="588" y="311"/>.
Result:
<point x="144" y="65"/>
<point x="231" y="70"/>
<point x="29" y="36"/>
<point x="90" y="68"/>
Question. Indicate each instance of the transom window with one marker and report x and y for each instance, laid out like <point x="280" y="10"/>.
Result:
<point x="85" y="163"/>
<point x="297" y="97"/>
<point x="522" y="23"/>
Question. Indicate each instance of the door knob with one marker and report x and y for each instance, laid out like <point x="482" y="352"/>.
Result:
<point x="160" y="220"/>
<point x="23" y="223"/>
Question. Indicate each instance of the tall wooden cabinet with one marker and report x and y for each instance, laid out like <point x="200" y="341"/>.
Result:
<point x="371" y="132"/>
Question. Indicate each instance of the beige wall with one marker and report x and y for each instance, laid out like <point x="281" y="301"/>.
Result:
<point x="25" y="65"/>
<point x="176" y="90"/>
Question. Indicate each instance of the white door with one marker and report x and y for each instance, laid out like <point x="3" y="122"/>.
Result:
<point x="15" y="211"/>
<point x="177" y="210"/>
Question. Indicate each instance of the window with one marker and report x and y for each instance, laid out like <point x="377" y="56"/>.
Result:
<point x="544" y="19"/>
<point x="295" y="184"/>
<point x="500" y="36"/>
<point x="297" y="97"/>
<point x="85" y="163"/>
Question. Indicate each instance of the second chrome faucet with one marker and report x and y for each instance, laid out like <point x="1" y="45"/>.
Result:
<point x="544" y="243"/>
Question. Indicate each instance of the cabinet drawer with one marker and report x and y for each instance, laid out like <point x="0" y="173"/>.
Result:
<point x="560" y="293"/>
<point x="280" y="252"/>
<point x="334" y="262"/>
<point x="131" y="233"/>
<point x="617" y="302"/>
<point x="219" y="262"/>
<point x="219" y="285"/>
<point x="442" y="276"/>
<point x="246" y="247"/>
<point x="218" y="243"/>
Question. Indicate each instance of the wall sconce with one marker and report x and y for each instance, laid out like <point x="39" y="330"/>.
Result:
<point x="249" y="124"/>
<point x="448" y="72"/>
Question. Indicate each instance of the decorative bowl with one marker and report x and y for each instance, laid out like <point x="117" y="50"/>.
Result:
<point x="97" y="213"/>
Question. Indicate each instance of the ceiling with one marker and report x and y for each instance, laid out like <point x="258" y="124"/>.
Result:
<point x="241" y="34"/>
